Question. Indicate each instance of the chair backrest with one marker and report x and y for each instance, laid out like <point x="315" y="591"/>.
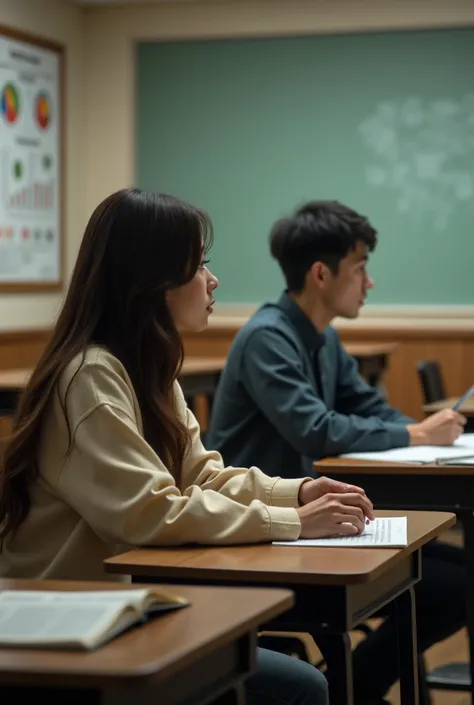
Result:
<point x="431" y="379"/>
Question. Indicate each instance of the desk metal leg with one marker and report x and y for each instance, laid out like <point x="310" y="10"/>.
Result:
<point x="234" y="696"/>
<point x="407" y="648"/>
<point x="337" y="653"/>
<point x="468" y="528"/>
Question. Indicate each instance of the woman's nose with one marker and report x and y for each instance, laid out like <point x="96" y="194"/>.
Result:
<point x="213" y="282"/>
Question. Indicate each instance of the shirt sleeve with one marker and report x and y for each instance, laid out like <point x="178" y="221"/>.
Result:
<point x="274" y="376"/>
<point x="114" y="479"/>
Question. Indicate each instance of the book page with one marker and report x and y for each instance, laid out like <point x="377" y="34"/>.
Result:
<point x="73" y="597"/>
<point x="140" y="599"/>
<point x="382" y="532"/>
<point x="459" y="461"/>
<point x="55" y="623"/>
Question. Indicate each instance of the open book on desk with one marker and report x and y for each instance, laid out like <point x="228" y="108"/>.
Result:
<point x="462" y="449"/>
<point x="81" y="620"/>
<point x="384" y="532"/>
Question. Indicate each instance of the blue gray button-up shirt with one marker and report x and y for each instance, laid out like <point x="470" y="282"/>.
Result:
<point x="290" y="395"/>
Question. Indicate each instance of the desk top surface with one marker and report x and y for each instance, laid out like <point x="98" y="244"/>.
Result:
<point x="467" y="408"/>
<point x="355" y="466"/>
<point x="290" y="565"/>
<point x="203" y="365"/>
<point x="369" y="349"/>
<point x="156" y="650"/>
<point x="14" y="379"/>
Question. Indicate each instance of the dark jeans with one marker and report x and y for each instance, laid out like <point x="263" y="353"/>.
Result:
<point x="283" y="679"/>
<point x="440" y="612"/>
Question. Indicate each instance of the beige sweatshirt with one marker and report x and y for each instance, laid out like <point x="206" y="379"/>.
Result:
<point x="112" y="491"/>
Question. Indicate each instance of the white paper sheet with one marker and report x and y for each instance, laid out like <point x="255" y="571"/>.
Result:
<point x="463" y="446"/>
<point x="383" y="532"/>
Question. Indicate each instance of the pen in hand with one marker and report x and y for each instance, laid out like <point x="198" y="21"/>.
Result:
<point x="464" y="397"/>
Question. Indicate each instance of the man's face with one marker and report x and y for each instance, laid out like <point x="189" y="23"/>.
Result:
<point x="345" y="292"/>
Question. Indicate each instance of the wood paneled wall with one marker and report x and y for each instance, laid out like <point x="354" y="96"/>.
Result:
<point x="453" y="347"/>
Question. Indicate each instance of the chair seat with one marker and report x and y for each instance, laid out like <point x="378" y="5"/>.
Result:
<point x="450" y="676"/>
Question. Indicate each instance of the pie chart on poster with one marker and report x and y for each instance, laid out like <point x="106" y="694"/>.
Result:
<point x="43" y="111"/>
<point x="9" y="103"/>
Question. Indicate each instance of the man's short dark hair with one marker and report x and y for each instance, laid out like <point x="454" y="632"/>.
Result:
<point x="318" y="231"/>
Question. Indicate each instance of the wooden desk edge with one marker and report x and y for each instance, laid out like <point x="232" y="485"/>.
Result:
<point x="124" y="564"/>
<point x="279" y="602"/>
<point x="353" y="466"/>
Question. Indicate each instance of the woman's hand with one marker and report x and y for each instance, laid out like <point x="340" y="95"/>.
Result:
<point x="335" y="513"/>
<point x="315" y="489"/>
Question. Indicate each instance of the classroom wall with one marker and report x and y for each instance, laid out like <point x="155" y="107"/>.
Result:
<point x="382" y="121"/>
<point x="111" y="34"/>
<point x="62" y="22"/>
<point x="100" y="90"/>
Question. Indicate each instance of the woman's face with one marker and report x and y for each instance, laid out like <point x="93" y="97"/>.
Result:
<point x="191" y="305"/>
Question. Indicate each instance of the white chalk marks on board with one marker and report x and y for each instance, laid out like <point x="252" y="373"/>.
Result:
<point x="423" y="152"/>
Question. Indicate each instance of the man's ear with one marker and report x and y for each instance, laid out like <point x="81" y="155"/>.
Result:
<point x="319" y="274"/>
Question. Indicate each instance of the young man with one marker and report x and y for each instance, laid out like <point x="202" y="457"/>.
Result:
<point x="290" y="394"/>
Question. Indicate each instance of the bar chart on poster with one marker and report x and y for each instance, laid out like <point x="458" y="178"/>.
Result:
<point x="30" y="163"/>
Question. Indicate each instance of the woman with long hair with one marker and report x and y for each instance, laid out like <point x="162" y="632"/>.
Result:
<point x="104" y="453"/>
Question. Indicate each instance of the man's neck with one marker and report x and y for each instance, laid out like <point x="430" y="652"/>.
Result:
<point x="314" y="309"/>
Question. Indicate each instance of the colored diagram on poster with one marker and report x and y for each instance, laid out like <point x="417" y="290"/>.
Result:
<point x="43" y="110"/>
<point x="29" y="181"/>
<point x="10" y="104"/>
<point x="29" y="164"/>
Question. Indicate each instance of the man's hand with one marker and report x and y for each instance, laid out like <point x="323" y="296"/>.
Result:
<point x="315" y="489"/>
<point x="440" y="429"/>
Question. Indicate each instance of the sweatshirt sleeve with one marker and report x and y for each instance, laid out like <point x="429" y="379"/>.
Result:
<point x="114" y="479"/>
<point x="206" y="469"/>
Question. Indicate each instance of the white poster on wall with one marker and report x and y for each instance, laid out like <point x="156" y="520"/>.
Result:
<point x="30" y="163"/>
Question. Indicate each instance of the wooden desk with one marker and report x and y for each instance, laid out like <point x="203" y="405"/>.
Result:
<point x="12" y="382"/>
<point x="199" y="376"/>
<point x="198" y="654"/>
<point x="16" y="380"/>
<point x="335" y="588"/>
<point x="372" y="359"/>
<point x="467" y="408"/>
<point x="202" y="365"/>
<point x="418" y="487"/>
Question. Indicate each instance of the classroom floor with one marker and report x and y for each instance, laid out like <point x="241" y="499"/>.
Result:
<point x="452" y="649"/>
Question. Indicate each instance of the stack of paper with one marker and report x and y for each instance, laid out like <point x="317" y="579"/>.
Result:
<point x="463" y="448"/>
<point x="380" y="533"/>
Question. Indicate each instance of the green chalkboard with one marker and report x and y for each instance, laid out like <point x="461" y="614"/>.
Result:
<point x="248" y="129"/>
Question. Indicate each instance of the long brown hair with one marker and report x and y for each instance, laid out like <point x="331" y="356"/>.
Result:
<point x="136" y="246"/>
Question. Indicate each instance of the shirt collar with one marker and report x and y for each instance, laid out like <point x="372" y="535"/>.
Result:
<point x="312" y="339"/>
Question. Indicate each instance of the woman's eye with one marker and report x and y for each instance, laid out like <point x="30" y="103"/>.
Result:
<point x="204" y="263"/>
